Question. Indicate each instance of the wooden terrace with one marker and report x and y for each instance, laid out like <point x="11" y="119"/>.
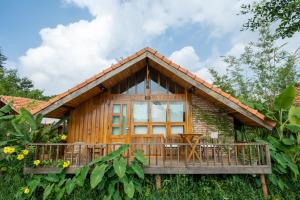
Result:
<point x="162" y="158"/>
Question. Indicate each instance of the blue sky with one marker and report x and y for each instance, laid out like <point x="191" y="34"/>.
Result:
<point x="70" y="40"/>
<point x="21" y="21"/>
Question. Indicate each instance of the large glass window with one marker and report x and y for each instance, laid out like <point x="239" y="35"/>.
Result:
<point x="177" y="112"/>
<point x="175" y="129"/>
<point x="159" y="130"/>
<point x="159" y="111"/>
<point x="165" y="117"/>
<point x="140" y="112"/>
<point x="140" y="130"/>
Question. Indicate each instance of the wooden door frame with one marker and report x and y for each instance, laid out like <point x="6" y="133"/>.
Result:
<point x="119" y="137"/>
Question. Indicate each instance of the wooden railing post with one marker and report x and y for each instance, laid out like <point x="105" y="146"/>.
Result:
<point x="158" y="181"/>
<point x="264" y="186"/>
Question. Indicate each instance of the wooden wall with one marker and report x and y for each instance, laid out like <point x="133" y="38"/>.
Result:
<point x="88" y="122"/>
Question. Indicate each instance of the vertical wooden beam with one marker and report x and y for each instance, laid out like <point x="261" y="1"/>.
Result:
<point x="158" y="181"/>
<point x="264" y="186"/>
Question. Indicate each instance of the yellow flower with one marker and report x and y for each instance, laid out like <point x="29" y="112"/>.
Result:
<point x="26" y="190"/>
<point x="63" y="137"/>
<point x="66" y="164"/>
<point x="20" y="157"/>
<point x="25" y="152"/>
<point x="36" y="162"/>
<point x="9" y="150"/>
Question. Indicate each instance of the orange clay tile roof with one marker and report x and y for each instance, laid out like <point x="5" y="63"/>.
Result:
<point x="169" y="62"/>
<point x="20" y="102"/>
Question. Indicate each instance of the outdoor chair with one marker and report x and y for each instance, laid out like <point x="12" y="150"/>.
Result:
<point x="212" y="145"/>
<point x="76" y="153"/>
<point x="171" y="147"/>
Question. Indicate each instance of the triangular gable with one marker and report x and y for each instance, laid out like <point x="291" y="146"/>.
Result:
<point x="210" y="90"/>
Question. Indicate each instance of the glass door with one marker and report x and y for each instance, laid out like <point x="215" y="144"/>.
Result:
<point x="119" y="122"/>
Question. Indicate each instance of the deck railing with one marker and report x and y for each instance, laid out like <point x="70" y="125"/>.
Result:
<point x="164" y="158"/>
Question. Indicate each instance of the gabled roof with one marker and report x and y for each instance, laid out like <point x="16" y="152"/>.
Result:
<point x="211" y="91"/>
<point x="20" y="102"/>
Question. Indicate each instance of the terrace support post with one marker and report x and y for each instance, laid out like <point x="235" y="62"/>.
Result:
<point x="158" y="181"/>
<point x="264" y="186"/>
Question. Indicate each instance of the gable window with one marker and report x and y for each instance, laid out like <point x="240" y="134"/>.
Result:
<point x="136" y="84"/>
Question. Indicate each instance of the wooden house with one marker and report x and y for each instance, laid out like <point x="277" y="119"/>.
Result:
<point x="182" y="123"/>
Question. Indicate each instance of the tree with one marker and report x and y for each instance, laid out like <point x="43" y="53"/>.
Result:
<point x="284" y="14"/>
<point x="2" y="59"/>
<point x="2" y="62"/>
<point x="11" y="84"/>
<point x="261" y="72"/>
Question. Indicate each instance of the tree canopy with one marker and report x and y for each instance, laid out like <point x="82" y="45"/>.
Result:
<point x="261" y="72"/>
<point x="283" y="14"/>
<point x="13" y="85"/>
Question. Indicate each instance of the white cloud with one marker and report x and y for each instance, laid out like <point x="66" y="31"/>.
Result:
<point x="187" y="57"/>
<point x="71" y="53"/>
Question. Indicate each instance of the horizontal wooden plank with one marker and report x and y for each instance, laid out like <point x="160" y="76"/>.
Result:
<point x="172" y="170"/>
<point x="209" y="170"/>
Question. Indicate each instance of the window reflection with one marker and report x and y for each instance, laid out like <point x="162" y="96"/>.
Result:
<point x="116" y="108"/>
<point x="159" y="111"/>
<point x="135" y="84"/>
<point x="124" y="111"/>
<point x="115" y="130"/>
<point x="163" y="85"/>
<point x="156" y="130"/>
<point x="177" y="112"/>
<point x="140" y="130"/>
<point x="154" y="82"/>
<point x="177" y="129"/>
<point x="140" y="112"/>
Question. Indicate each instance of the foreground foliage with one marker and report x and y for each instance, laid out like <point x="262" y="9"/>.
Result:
<point x="111" y="175"/>
<point x="173" y="187"/>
